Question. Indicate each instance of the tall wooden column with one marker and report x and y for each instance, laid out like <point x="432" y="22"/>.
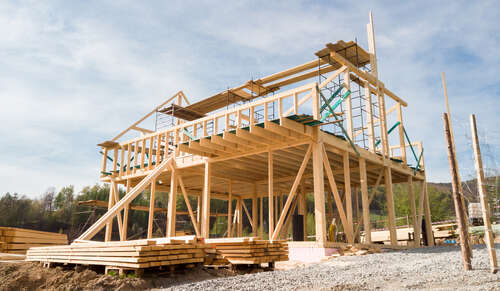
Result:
<point x="303" y="207"/>
<point x="490" y="244"/>
<point x="125" y="215"/>
<point x="261" y="220"/>
<point x="255" y="212"/>
<point x="413" y="209"/>
<point x="365" y="202"/>
<point x="172" y="205"/>
<point x="109" y="224"/>
<point x="391" y="212"/>
<point x="319" y="192"/>
<point x="428" y="218"/>
<point x="230" y="209"/>
<point x="205" y="218"/>
<point x="270" y="191"/>
<point x="152" y="209"/>
<point x="239" y="206"/>
<point x="402" y="145"/>
<point x="348" y="194"/>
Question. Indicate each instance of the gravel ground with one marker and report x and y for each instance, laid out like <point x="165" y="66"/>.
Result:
<point x="438" y="268"/>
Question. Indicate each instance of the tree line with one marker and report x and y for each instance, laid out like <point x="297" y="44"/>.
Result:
<point x="61" y="212"/>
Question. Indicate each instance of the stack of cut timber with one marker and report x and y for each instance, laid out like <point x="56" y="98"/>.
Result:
<point x="135" y="254"/>
<point x="350" y="250"/>
<point x="18" y="240"/>
<point x="247" y="250"/>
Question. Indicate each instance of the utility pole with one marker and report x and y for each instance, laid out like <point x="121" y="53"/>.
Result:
<point x="459" y="207"/>
<point x="488" y="234"/>
<point x="452" y="137"/>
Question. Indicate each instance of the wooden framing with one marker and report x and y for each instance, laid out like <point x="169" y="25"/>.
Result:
<point x="275" y="146"/>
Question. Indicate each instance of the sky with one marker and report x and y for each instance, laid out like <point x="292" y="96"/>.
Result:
<point x="75" y="73"/>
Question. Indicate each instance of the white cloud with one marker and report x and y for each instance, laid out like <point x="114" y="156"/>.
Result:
<point x="74" y="74"/>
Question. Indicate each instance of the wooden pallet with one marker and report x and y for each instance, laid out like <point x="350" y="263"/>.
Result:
<point x="245" y="251"/>
<point x="137" y="254"/>
<point x="17" y="240"/>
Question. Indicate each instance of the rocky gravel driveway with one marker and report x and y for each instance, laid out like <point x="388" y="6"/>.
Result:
<point x="438" y="268"/>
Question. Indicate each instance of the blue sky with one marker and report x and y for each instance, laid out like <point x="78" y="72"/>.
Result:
<point x="73" y="74"/>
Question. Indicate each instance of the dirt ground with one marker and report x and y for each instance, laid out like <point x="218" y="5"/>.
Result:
<point x="32" y="276"/>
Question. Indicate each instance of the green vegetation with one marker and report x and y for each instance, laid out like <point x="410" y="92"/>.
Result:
<point x="60" y="212"/>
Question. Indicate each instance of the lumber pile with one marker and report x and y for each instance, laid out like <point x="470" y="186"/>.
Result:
<point x="135" y="254"/>
<point x="17" y="240"/>
<point x="350" y="250"/>
<point x="244" y="251"/>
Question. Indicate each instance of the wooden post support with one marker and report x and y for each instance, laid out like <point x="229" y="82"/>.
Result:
<point x="391" y="212"/>
<point x="319" y="192"/>
<point x="255" y="211"/>
<point x="109" y="223"/>
<point x="125" y="214"/>
<point x="371" y="46"/>
<point x="270" y="191"/>
<point x="428" y="218"/>
<point x="229" y="208"/>
<point x="365" y="201"/>
<point x="348" y="102"/>
<point x="205" y="219"/>
<point x="172" y="204"/>
<point x="413" y="210"/>
<point x="152" y="209"/>
<point x="348" y="195"/>
<point x="402" y="145"/>
<point x="459" y="207"/>
<point x="303" y="200"/>
<point x="369" y="117"/>
<point x="239" y="232"/>
<point x="261" y="220"/>
<point x="488" y="233"/>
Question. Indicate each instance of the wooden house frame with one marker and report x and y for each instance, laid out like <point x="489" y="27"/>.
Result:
<point x="274" y="148"/>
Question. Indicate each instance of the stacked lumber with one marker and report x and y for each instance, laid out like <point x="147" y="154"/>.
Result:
<point x="357" y="250"/>
<point x="244" y="251"/>
<point x="135" y="254"/>
<point x="17" y="240"/>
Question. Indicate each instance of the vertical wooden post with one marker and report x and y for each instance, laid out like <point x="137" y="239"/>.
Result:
<point x="205" y="219"/>
<point x="371" y="46"/>
<point x="304" y="203"/>
<point x="104" y="159"/>
<point x="382" y="120"/>
<point x="459" y="207"/>
<point x="239" y="206"/>
<point x="348" y="102"/>
<point x="365" y="202"/>
<point x="369" y="117"/>
<point x="348" y="194"/>
<point x="488" y="234"/>
<point x="270" y="191"/>
<point x="229" y="208"/>
<point x="198" y="210"/>
<point x="319" y="192"/>
<point x="152" y="209"/>
<point x="109" y="224"/>
<point x="172" y="205"/>
<point x="125" y="214"/>
<point x="391" y="213"/>
<point x="413" y="210"/>
<point x="255" y="211"/>
<point x="402" y="145"/>
<point x="428" y="218"/>
<point x="261" y="220"/>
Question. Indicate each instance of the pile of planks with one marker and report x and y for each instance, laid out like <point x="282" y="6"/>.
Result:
<point x="350" y="250"/>
<point x="135" y="254"/>
<point x="244" y="251"/>
<point x="18" y="240"/>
